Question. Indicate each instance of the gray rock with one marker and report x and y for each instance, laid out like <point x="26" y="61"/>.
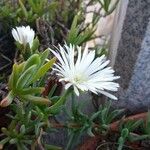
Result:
<point x="132" y="61"/>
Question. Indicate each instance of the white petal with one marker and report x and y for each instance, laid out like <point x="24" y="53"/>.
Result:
<point x="15" y="35"/>
<point x="68" y="85"/>
<point x="78" y="57"/>
<point x="109" y="95"/>
<point x="76" y="90"/>
<point x="86" y="62"/>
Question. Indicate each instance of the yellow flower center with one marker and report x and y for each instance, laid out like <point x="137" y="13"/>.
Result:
<point x="80" y="78"/>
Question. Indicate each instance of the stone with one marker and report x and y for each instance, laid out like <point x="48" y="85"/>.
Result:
<point x="132" y="58"/>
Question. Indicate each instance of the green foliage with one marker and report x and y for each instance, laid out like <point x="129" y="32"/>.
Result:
<point x="23" y="77"/>
<point x="7" y="15"/>
<point x="106" y="5"/>
<point x="52" y="147"/>
<point x="77" y="37"/>
<point x="147" y="125"/>
<point x="38" y="7"/>
<point x="55" y="109"/>
<point x="145" y="131"/>
<point x="23" y="11"/>
<point x="81" y="123"/>
<point x="26" y="127"/>
<point x="55" y="21"/>
<point x="106" y="116"/>
<point x="126" y="129"/>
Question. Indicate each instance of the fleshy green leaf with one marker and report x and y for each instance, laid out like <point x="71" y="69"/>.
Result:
<point x="43" y="70"/>
<point x="13" y="141"/>
<point x="33" y="60"/>
<point x="52" y="147"/>
<point x="125" y="133"/>
<point x="73" y="33"/>
<point x="17" y="69"/>
<point x="4" y="141"/>
<point x="13" y="78"/>
<point x="133" y="138"/>
<point x="89" y="132"/>
<point x="35" y="45"/>
<point x="36" y="99"/>
<point x="95" y="115"/>
<point x="24" y="78"/>
<point x="36" y="90"/>
<point x="54" y="109"/>
<point x="23" y="8"/>
<point x="43" y="56"/>
<point x="22" y="129"/>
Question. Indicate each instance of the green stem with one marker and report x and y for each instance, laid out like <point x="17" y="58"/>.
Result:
<point x="74" y="139"/>
<point x="120" y="146"/>
<point x="74" y="103"/>
<point x="121" y="143"/>
<point x="12" y="124"/>
<point x="69" y="144"/>
<point x="54" y="108"/>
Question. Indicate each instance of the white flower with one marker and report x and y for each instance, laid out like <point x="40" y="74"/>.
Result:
<point x="85" y="72"/>
<point x="23" y="35"/>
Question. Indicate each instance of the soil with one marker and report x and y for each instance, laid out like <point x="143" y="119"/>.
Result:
<point x="98" y="143"/>
<point x="7" y="53"/>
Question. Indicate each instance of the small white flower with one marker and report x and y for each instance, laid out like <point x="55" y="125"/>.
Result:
<point x="23" y="35"/>
<point x="85" y="72"/>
